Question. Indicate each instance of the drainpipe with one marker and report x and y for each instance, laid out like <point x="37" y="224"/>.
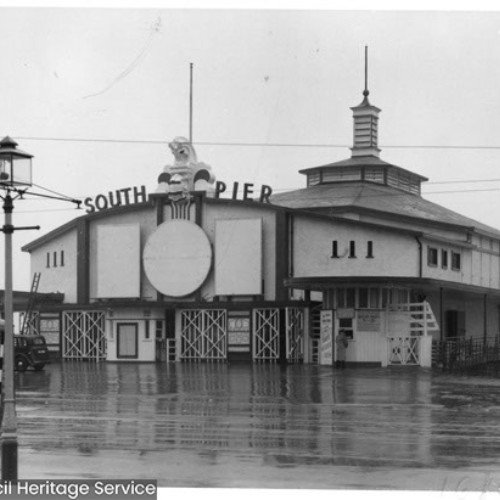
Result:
<point x="485" y="317"/>
<point x="420" y="262"/>
<point x="441" y="314"/>
<point x="290" y="244"/>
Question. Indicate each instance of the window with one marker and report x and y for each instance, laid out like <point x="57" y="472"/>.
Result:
<point x="346" y="298"/>
<point x="347" y="325"/>
<point x="444" y="259"/>
<point x="341" y="174"/>
<point x="432" y="256"/>
<point x="158" y="329"/>
<point x="373" y="302"/>
<point x="313" y="179"/>
<point x="455" y="261"/>
<point x="374" y="175"/>
<point x="395" y="296"/>
<point x="55" y="259"/>
<point x="335" y="250"/>
<point x="146" y="329"/>
<point x="363" y="298"/>
<point x="368" y="298"/>
<point x="352" y="249"/>
<point x="350" y="298"/>
<point x="48" y="259"/>
<point x="369" y="250"/>
<point x="61" y="261"/>
<point x="341" y="298"/>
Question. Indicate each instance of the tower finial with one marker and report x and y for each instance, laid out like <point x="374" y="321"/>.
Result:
<point x="366" y="92"/>
<point x="365" y="123"/>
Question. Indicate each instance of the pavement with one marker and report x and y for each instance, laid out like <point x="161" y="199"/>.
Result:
<point x="260" y="426"/>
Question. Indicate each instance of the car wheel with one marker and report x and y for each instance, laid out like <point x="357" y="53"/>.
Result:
<point x="39" y="367"/>
<point x="21" y="364"/>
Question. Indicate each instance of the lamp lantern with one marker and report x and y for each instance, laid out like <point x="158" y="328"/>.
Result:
<point x="15" y="165"/>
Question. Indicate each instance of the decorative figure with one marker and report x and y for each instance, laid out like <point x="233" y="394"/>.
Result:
<point x="187" y="173"/>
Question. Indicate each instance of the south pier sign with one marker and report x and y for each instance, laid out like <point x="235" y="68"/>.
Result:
<point x="117" y="198"/>
<point x="134" y="195"/>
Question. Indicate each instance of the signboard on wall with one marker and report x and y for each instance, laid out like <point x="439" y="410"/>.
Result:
<point x="326" y="338"/>
<point x="238" y="257"/>
<point x="368" y="321"/>
<point x="238" y="334"/>
<point x="118" y="261"/>
<point x="50" y="328"/>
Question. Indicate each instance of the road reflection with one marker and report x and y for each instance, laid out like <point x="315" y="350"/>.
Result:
<point x="284" y="416"/>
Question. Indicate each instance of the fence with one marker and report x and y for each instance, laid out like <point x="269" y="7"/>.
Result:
<point x="480" y="356"/>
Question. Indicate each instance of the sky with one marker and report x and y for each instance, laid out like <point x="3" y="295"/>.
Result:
<point x="96" y="94"/>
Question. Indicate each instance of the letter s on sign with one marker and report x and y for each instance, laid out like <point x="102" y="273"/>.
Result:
<point x="90" y="207"/>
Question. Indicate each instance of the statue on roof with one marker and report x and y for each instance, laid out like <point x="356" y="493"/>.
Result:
<point x="187" y="173"/>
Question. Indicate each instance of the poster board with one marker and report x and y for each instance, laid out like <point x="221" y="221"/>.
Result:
<point x="238" y="334"/>
<point x="368" y="321"/>
<point x="326" y="338"/>
<point x="118" y="261"/>
<point x="238" y="257"/>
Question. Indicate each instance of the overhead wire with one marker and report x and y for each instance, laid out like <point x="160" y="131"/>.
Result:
<point x="463" y="181"/>
<point x="337" y="198"/>
<point x="300" y="145"/>
<point x="255" y="144"/>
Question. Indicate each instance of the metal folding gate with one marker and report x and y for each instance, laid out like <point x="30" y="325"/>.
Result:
<point x="265" y="338"/>
<point x="404" y="350"/>
<point x="84" y="335"/>
<point x="294" y="334"/>
<point x="203" y="335"/>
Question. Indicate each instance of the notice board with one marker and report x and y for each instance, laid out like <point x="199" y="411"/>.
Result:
<point x="326" y="338"/>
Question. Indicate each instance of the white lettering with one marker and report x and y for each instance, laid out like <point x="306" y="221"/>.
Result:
<point x="131" y="488"/>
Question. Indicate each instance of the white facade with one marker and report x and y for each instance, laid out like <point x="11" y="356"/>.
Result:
<point x="189" y="276"/>
<point x="57" y="261"/>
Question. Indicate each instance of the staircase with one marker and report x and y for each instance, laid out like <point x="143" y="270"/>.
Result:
<point x="421" y="319"/>
<point x="408" y="337"/>
<point x="28" y="315"/>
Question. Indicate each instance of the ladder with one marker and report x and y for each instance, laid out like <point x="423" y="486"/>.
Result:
<point x="28" y="315"/>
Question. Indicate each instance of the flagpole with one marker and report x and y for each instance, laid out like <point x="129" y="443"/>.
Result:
<point x="191" y="103"/>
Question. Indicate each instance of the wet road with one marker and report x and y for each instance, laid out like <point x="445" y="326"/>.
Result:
<point x="201" y="425"/>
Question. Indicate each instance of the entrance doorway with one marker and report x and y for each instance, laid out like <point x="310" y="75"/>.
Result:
<point x="238" y="336"/>
<point x="127" y="341"/>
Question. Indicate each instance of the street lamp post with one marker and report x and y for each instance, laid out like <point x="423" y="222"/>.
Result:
<point x="15" y="176"/>
<point x="9" y="422"/>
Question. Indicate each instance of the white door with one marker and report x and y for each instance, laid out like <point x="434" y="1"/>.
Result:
<point x="127" y="344"/>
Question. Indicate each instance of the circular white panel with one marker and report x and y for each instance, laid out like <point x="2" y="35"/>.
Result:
<point x="177" y="258"/>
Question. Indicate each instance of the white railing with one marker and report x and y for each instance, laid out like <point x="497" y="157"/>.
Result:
<point x="266" y="329"/>
<point x="404" y="350"/>
<point x="421" y="319"/>
<point x="408" y="328"/>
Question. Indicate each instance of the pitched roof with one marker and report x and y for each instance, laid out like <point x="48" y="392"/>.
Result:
<point x="363" y="196"/>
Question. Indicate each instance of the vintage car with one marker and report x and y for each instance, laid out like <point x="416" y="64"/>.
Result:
<point x="30" y="351"/>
